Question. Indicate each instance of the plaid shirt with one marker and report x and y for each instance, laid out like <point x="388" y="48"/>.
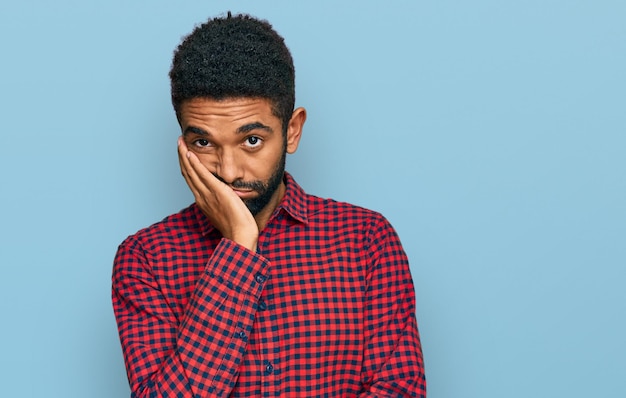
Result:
<point x="325" y="307"/>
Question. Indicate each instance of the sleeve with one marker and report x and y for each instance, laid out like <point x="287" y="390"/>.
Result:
<point x="196" y="355"/>
<point x="393" y="363"/>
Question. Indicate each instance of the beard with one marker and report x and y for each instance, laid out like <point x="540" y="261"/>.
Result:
<point x="265" y="190"/>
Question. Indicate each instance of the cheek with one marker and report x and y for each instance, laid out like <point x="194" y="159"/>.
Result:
<point x="208" y="161"/>
<point x="267" y="164"/>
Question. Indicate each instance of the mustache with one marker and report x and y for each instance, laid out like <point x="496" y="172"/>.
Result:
<point x="240" y="184"/>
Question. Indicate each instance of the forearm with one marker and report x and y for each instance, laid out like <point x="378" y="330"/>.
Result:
<point x="195" y="354"/>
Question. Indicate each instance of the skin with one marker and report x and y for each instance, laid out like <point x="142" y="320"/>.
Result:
<point x="226" y="147"/>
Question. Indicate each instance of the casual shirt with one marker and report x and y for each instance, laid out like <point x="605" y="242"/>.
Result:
<point x="324" y="308"/>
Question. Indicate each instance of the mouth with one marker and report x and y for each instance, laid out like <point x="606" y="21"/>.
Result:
<point x="244" y="193"/>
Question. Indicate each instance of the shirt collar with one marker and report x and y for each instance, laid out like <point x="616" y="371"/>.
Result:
<point x="295" y="200"/>
<point x="294" y="203"/>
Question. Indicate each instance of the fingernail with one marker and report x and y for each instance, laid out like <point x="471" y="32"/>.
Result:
<point x="188" y="154"/>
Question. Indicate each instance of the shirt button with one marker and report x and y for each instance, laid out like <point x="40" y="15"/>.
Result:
<point x="262" y="305"/>
<point x="260" y="278"/>
<point x="269" y="368"/>
<point x="242" y="335"/>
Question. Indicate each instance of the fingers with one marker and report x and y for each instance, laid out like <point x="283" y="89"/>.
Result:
<point x="187" y="171"/>
<point x="196" y="173"/>
<point x="207" y="189"/>
<point x="226" y="211"/>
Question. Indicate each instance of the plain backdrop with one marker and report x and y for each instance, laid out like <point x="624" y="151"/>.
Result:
<point x="492" y="134"/>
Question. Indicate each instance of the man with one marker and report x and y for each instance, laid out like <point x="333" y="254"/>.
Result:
<point x="259" y="289"/>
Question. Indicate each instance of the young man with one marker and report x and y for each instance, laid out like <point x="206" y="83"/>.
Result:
<point x="259" y="289"/>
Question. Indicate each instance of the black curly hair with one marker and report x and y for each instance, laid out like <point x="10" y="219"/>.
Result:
<point x="233" y="57"/>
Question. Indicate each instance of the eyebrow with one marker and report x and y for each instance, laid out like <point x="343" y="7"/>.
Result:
<point x="246" y="128"/>
<point x="195" y="130"/>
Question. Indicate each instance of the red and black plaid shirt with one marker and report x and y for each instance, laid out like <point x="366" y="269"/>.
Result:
<point x="324" y="308"/>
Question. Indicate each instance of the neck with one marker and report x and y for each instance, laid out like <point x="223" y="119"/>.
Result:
<point x="264" y="215"/>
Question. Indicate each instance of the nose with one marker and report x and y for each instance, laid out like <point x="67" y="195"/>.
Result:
<point x="229" y="167"/>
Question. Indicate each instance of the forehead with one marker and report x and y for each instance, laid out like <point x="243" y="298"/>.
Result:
<point x="226" y="110"/>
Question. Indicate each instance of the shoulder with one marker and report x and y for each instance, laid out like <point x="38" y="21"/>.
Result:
<point x="367" y="233"/>
<point x="315" y="210"/>
<point x="330" y="210"/>
<point x="173" y="227"/>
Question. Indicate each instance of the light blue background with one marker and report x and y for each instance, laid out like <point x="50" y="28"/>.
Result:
<point x="491" y="133"/>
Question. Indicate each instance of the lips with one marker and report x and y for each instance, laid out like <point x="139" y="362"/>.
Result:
<point x="244" y="193"/>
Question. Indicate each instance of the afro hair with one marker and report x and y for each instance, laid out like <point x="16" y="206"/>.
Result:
<point x="234" y="57"/>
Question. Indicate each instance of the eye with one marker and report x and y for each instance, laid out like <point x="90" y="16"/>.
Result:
<point x="201" y="143"/>
<point x="253" y="141"/>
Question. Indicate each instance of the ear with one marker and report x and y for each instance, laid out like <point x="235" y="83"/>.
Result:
<point x="294" y="129"/>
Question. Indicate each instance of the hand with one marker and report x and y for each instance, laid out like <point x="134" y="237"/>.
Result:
<point x="218" y="202"/>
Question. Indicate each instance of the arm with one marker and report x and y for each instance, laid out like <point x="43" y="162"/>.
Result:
<point x="393" y="362"/>
<point x="196" y="355"/>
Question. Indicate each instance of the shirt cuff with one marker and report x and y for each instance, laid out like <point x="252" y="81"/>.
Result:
<point x="239" y="266"/>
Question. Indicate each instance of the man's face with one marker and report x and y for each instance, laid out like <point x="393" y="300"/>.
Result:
<point x="241" y="142"/>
